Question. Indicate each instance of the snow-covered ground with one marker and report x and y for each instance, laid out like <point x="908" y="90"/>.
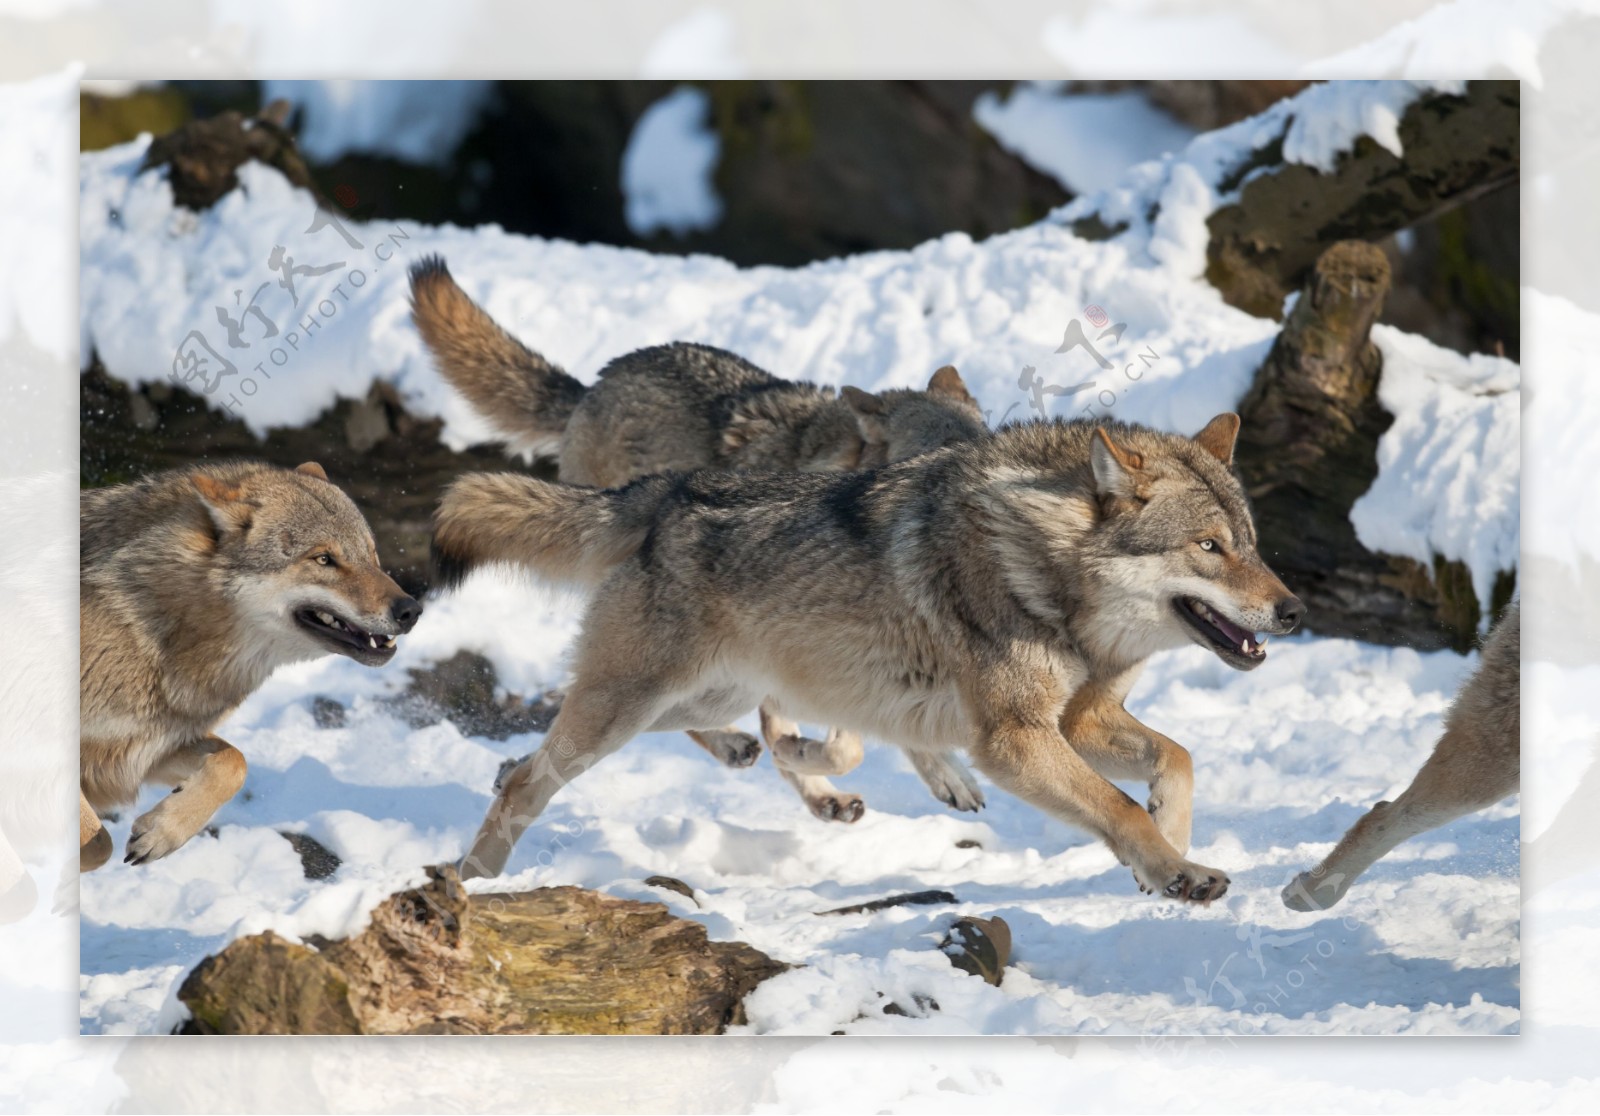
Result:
<point x="1287" y="757"/>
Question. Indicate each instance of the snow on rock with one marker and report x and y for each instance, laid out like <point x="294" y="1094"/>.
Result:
<point x="1449" y="468"/>
<point x="1316" y="125"/>
<point x="1085" y="141"/>
<point x="668" y="164"/>
<point x="414" y="121"/>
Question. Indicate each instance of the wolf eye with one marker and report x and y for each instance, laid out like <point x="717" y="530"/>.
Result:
<point x="323" y="559"/>
<point x="1208" y="544"/>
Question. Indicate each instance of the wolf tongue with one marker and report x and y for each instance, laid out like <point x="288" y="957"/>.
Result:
<point x="1235" y="634"/>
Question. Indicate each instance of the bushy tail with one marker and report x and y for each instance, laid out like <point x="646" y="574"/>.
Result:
<point x="560" y="532"/>
<point x="523" y="396"/>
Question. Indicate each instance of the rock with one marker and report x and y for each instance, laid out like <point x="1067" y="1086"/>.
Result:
<point x="559" y="960"/>
<point x="317" y="861"/>
<point x="980" y="946"/>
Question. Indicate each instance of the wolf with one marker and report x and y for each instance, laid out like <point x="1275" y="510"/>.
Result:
<point x="999" y="595"/>
<point x="194" y="585"/>
<point x="1476" y="763"/>
<point x="681" y="407"/>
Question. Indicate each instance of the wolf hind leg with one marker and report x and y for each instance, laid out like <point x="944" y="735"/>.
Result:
<point x="730" y="747"/>
<point x="1455" y="781"/>
<point x="947" y="779"/>
<point x="204" y="774"/>
<point x="841" y="752"/>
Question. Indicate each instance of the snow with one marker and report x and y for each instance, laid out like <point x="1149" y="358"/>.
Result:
<point x="1085" y="141"/>
<point x="414" y="121"/>
<point x="1286" y="757"/>
<point x="1449" y="468"/>
<point x="668" y="164"/>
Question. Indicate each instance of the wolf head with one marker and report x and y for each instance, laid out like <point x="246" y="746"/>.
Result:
<point x="904" y="423"/>
<point x="1157" y="543"/>
<point x="298" y="560"/>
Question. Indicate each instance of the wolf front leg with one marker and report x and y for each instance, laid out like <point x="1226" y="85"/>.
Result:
<point x="1459" y="778"/>
<point x="947" y="779"/>
<point x="204" y="774"/>
<point x="595" y="720"/>
<point x="805" y="764"/>
<point x="1118" y="746"/>
<point x="1021" y="748"/>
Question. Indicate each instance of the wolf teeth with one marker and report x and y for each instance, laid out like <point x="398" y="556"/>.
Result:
<point x="325" y="617"/>
<point x="372" y="641"/>
<point x="1245" y="647"/>
<point x="389" y="641"/>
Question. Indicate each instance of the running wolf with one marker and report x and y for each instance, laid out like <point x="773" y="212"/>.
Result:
<point x="194" y="585"/>
<point x="684" y="406"/>
<point x="1477" y="762"/>
<point x="1000" y="595"/>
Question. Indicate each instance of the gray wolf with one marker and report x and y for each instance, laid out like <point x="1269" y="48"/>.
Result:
<point x="684" y="406"/>
<point x="999" y="595"/>
<point x="1477" y="762"/>
<point x="194" y="585"/>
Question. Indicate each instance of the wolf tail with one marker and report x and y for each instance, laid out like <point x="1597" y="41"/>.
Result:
<point x="523" y="396"/>
<point x="560" y="532"/>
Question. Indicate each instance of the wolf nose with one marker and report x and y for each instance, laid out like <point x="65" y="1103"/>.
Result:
<point x="405" y="612"/>
<point x="1291" y="610"/>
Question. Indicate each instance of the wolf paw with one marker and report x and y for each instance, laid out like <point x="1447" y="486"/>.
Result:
<point x="1190" y="883"/>
<point x="953" y="784"/>
<point x="838" y="807"/>
<point x="1308" y="892"/>
<point x="155" y="835"/>
<point x="732" y="749"/>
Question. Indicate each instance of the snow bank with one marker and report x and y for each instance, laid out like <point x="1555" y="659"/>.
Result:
<point x="1085" y="141"/>
<point x="668" y="164"/>
<point x="1449" y="468"/>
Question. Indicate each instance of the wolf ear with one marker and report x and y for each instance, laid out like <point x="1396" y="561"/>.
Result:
<point x="312" y="469"/>
<point x="1115" y="468"/>
<point x="868" y="410"/>
<point x="224" y="502"/>
<point x="947" y="381"/>
<point x="1218" y="436"/>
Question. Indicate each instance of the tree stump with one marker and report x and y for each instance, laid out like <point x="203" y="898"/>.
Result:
<point x="1308" y="450"/>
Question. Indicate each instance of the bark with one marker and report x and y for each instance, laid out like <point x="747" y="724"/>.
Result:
<point x="555" y="961"/>
<point x="1308" y="450"/>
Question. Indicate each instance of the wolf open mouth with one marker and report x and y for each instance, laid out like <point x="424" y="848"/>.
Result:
<point x="1230" y="639"/>
<point x="336" y="630"/>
